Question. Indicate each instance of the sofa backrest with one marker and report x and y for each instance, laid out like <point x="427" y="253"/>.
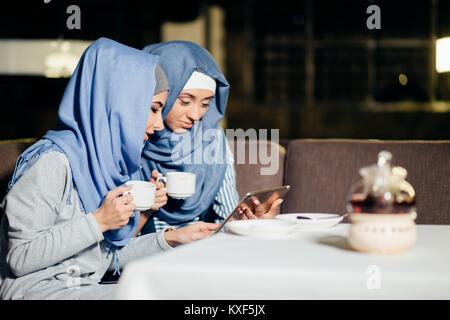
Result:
<point x="9" y="152"/>
<point x="321" y="173"/>
<point x="258" y="164"/>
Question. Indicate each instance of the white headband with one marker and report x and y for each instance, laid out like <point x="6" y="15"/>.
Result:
<point x="200" y="80"/>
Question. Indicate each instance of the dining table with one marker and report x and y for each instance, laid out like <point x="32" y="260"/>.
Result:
<point x="315" y="264"/>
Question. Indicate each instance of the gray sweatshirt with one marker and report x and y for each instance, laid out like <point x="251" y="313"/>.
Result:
<point x="49" y="247"/>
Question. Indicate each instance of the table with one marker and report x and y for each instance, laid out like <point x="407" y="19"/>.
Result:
<point x="309" y="265"/>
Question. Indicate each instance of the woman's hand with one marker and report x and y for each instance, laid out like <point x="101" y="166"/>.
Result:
<point x="266" y="210"/>
<point x="161" y="194"/>
<point x="195" y="231"/>
<point x="115" y="211"/>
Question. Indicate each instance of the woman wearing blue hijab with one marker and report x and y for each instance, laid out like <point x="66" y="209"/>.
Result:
<point x="195" y="105"/>
<point x="66" y="219"/>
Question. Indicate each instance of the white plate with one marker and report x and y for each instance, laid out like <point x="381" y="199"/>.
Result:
<point x="317" y="221"/>
<point x="266" y="228"/>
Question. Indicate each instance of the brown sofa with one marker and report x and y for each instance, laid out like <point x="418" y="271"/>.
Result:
<point x="321" y="171"/>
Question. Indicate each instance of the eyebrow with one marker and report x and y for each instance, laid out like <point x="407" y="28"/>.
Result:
<point x="158" y="102"/>
<point x="192" y="96"/>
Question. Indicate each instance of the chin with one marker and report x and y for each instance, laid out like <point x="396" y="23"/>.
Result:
<point x="180" y="130"/>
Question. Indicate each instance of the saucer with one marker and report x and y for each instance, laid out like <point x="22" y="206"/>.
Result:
<point x="180" y="196"/>
<point x="266" y="228"/>
<point x="143" y="208"/>
<point x="315" y="221"/>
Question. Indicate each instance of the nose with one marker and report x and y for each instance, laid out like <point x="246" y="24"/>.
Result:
<point x="158" y="125"/>
<point x="195" y="113"/>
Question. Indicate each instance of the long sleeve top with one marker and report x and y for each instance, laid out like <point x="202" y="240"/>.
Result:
<point x="49" y="247"/>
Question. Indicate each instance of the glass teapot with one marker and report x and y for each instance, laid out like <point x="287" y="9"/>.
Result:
<point x="382" y="189"/>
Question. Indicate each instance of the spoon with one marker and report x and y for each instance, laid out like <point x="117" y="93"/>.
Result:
<point x="309" y="218"/>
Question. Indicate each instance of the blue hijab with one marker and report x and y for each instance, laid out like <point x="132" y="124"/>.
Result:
<point x="167" y="151"/>
<point x="101" y="125"/>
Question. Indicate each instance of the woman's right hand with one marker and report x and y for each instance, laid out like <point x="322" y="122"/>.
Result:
<point x="115" y="211"/>
<point x="161" y="193"/>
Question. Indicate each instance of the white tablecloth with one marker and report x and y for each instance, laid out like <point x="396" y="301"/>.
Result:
<point x="311" y="265"/>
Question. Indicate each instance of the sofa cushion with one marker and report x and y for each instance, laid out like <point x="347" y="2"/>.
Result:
<point x="258" y="164"/>
<point x="321" y="173"/>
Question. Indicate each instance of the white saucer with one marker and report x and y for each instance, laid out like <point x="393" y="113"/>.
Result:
<point x="316" y="221"/>
<point x="180" y="196"/>
<point x="143" y="208"/>
<point x="266" y="228"/>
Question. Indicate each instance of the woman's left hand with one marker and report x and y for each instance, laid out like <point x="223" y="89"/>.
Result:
<point x="195" y="231"/>
<point x="161" y="194"/>
<point x="266" y="210"/>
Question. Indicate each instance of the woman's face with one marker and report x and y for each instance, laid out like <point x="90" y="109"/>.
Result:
<point x="154" y="121"/>
<point x="190" y="106"/>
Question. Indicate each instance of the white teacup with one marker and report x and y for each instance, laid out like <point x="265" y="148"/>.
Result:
<point x="179" y="185"/>
<point x="143" y="193"/>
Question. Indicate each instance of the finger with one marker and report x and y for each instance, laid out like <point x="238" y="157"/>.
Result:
<point x="249" y="214"/>
<point x="131" y="206"/>
<point x="159" y="204"/>
<point x="258" y="208"/>
<point x="243" y="207"/>
<point x="241" y="217"/>
<point x="268" y="204"/>
<point x="124" y="219"/>
<point x="155" y="175"/>
<point x="200" y="235"/>
<point x="117" y="192"/>
<point x="274" y="208"/>
<point x="128" y="198"/>
<point x="240" y="213"/>
<point x="160" y="193"/>
<point x="209" y="226"/>
<point x="120" y="202"/>
<point x="162" y="198"/>
<point x="207" y="232"/>
<point x="123" y="201"/>
<point x="125" y="210"/>
<point x="160" y="186"/>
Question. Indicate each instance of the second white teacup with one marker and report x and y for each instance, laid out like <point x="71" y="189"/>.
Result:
<point x="179" y="185"/>
<point x="143" y="193"/>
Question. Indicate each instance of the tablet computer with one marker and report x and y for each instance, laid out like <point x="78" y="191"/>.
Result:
<point x="262" y="195"/>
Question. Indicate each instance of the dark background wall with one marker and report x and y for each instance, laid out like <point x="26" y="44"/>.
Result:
<point x="309" y="68"/>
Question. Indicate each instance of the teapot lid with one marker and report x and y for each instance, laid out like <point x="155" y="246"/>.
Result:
<point x="381" y="169"/>
<point x="381" y="177"/>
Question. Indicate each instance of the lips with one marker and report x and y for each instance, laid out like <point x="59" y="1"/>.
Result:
<point x="187" y="125"/>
